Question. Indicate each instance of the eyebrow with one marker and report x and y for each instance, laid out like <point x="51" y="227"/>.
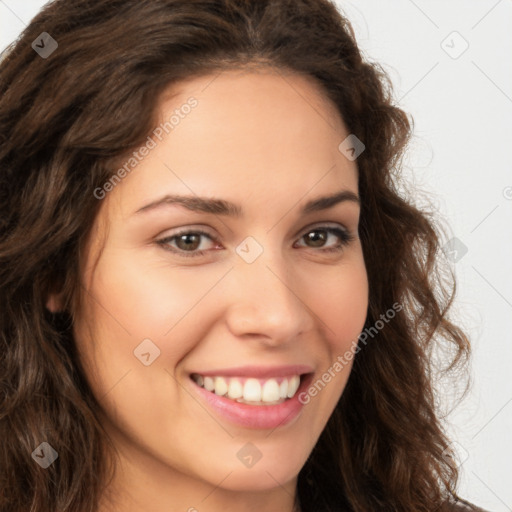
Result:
<point x="222" y="207"/>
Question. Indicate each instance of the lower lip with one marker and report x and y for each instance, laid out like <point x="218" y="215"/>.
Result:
<point x="256" y="416"/>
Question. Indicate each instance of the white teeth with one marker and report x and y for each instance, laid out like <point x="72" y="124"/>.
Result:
<point x="208" y="384"/>
<point x="235" y="389"/>
<point x="270" y="391"/>
<point x="221" y="386"/>
<point x="293" y="385"/>
<point x="283" y="389"/>
<point x="254" y="391"/>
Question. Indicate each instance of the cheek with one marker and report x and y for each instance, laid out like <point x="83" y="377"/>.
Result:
<point x="342" y="304"/>
<point x="133" y="302"/>
<point x="129" y="302"/>
<point x="125" y="304"/>
<point x="149" y="300"/>
<point x="340" y="300"/>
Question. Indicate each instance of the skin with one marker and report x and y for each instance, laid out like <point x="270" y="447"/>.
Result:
<point x="269" y="143"/>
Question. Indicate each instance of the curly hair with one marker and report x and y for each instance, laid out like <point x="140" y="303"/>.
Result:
<point x="65" y="120"/>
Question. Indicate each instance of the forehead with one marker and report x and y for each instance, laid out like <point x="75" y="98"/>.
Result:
<point x="246" y="135"/>
<point x="235" y="105"/>
<point x="249" y="87"/>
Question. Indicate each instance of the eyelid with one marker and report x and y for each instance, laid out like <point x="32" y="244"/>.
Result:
<point x="325" y="225"/>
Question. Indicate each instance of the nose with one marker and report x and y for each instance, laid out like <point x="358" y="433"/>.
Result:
<point x="267" y="302"/>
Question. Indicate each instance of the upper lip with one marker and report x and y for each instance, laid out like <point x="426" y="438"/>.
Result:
<point x="261" y="372"/>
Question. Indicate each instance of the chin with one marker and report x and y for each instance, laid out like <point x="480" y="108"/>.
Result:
<point x="264" y="478"/>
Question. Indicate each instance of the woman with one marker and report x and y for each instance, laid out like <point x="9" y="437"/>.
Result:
<point x="201" y="241"/>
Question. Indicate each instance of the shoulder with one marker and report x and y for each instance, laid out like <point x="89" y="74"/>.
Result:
<point x="463" y="506"/>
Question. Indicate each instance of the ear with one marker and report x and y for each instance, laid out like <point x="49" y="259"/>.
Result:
<point x="54" y="303"/>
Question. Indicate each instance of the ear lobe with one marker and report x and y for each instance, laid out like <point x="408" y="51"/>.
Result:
<point x="54" y="302"/>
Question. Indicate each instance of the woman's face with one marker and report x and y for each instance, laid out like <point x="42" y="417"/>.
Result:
<point x="183" y="293"/>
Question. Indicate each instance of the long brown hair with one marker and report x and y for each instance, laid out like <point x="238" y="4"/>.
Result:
<point x="66" y="118"/>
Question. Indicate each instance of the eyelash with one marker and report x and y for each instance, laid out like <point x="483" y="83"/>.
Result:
<point x="344" y="236"/>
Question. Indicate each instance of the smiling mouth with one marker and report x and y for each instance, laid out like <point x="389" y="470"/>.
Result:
<point x="250" y="391"/>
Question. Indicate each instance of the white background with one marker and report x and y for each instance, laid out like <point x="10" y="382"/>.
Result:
<point x="460" y="155"/>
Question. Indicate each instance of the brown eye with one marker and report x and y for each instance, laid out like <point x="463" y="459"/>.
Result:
<point x="188" y="241"/>
<point x="317" y="238"/>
